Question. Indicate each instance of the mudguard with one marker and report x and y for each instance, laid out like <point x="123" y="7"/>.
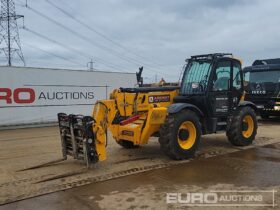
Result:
<point x="177" y="107"/>
<point x="248" y="103"/>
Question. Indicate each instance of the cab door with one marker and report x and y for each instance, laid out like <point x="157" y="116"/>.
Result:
<point x="220" y="95"/>
<point x="237" y="84"/>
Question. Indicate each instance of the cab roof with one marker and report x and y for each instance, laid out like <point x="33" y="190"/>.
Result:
<point x="264" y="65"/>
<point x="209" y="56"/>
<point x="213" y="56"/>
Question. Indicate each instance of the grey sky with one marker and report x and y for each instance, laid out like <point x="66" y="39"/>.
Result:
<point x="165" y="32"/>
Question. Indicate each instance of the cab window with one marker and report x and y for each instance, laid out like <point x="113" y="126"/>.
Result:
<point x="221" y="77"/>
<point x="236" y="76"/>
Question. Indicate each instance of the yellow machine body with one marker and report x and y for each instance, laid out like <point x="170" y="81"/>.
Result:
<point x="129" y="116"/>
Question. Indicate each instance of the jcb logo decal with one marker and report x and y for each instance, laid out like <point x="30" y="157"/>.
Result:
<point x="18" y="95"/>
<point x="158" y="99"/>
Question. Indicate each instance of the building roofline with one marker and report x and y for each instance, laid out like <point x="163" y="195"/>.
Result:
<point x="61" y="69"/>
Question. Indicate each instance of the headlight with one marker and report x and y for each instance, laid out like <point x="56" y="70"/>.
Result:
<point x="277" y="108"/>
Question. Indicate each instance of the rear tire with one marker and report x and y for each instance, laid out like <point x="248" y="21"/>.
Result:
<point x="243" y="128"/>
<point x="180" y="135"/>
<point x="127" y="144"/>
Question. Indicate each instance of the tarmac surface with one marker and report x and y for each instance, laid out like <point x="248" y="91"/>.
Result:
<point x="139" y="178"/>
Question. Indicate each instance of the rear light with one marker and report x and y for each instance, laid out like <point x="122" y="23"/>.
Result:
<point x="130" y="120"/>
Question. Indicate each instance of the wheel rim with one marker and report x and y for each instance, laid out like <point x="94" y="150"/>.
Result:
<point x="186" y="135"/>
<point x="249" y="122"/>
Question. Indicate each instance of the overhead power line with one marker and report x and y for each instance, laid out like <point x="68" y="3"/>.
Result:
<point x="54" y="55"/>
<point x="71" y="49"/>
<point x="38" y="63"/>
<point x="99" y="33"/>
<point x="91" y="42"/>
<point x="82" y="36"/>
<point x="81" y="53"/>
<point x="99" y="60"/>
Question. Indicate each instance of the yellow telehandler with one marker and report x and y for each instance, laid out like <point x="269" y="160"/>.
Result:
<point x="210" y="99"/>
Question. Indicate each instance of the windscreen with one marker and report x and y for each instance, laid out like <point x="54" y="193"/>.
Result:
<point x="264" y="82"/>
<point x="196" y="77"/>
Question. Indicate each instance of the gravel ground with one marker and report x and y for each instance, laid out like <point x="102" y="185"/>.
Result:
<point x="23" y="148"/>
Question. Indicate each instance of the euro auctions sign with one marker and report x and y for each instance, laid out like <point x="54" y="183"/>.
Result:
<point x="42" y="97"/>
<point x="9" y="96"/>
<point x="224" y="198"/>
<point x="31" y="95"/>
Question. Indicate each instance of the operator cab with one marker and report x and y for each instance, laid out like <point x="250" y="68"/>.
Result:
<point x="214" y="84"/>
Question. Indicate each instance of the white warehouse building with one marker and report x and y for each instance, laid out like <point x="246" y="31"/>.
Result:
<point x="36" y="95"/>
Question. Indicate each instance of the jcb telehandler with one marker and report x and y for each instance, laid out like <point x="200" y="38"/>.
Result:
<point x="210" y="99"/>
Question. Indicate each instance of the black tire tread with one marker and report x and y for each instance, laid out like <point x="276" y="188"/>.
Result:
<point x="234" y="132"/>
<point x="166" y="131"/>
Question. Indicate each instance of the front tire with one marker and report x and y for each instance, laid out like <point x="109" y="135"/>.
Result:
<point x="243" y="128"/>
<point x="180" y="135"/>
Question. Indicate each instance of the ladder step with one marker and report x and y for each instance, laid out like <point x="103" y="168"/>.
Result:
<point x="222" y="123"/>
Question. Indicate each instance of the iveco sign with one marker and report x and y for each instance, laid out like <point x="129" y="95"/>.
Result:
<point x="258" y="92"/>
